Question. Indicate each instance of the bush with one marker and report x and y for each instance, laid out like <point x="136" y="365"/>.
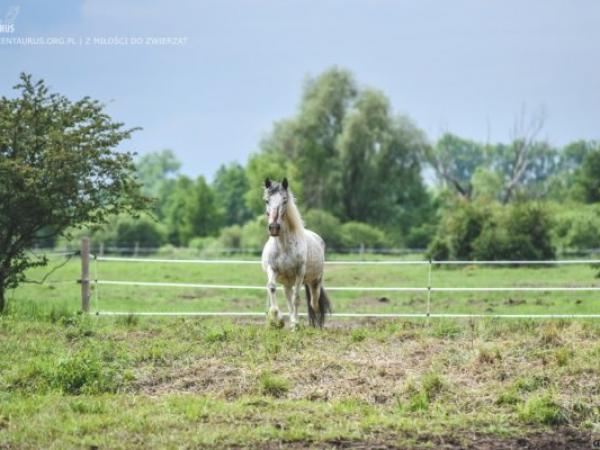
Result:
<point x="231" y="237"/>
<point x="483" y="231"/>
<point x="254" y="233"/>
<point x="325" y="225"/>
<point x="143" y="231"/>
<point x="578" y="227"/>
<point x="357" y="234"/>
<point x="421" y="236"/>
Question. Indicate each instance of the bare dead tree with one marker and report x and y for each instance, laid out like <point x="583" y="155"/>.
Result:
<point x="523" y="136"/>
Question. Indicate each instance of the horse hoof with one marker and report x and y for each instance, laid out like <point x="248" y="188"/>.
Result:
<point x="277" y="324"/>
<point x="274" y="318"/>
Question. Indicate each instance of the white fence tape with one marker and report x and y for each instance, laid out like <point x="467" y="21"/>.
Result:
<point x="348" y="262"/>
<point x="358" y="288"/>
<point x="366" y="315"/>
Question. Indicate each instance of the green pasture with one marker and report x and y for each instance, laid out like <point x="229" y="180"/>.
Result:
<point x="74" y="381"/>
<point x="60" y="288"/>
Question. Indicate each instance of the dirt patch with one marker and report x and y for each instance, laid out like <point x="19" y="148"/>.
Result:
<point x="203" y="376"/>
<point x="559" y="439"/>
<point x="515" y="301"/>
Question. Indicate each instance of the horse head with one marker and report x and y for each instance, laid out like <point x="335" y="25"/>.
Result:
<point x="276" y="199"/>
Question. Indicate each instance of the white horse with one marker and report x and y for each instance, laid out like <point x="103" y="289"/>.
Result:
<point x="293" y="256"/>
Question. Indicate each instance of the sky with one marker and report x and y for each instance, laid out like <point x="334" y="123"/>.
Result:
<point x="232" y="68"/>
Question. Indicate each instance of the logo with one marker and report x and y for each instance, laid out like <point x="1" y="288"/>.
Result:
<point x="596" y="437"/>
<point x="7" y="24"/>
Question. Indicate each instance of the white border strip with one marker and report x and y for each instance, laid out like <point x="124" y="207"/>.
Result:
<point x="370" y="315"/>
<point x="346" y="262"/>
<point x="360" y="289"/>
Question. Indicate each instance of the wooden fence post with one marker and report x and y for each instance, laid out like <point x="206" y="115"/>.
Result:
<point x="85" y="274"/>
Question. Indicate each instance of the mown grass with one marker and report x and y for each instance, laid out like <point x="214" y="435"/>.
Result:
<point x="73" y="381"/>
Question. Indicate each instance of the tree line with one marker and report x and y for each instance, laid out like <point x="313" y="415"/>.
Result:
<point x="358" y="170"/>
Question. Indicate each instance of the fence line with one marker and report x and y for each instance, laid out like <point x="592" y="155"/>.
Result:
<point x="365" y="315"/>
<point x="360" y="288"/>
<point x="429" y="288"/>
<point x="348" y="262"/>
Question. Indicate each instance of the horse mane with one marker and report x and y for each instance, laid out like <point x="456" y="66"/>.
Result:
<point x="294" y="219"/>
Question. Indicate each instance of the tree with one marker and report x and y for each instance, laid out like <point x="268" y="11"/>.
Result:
<point x="58" y="169"/>
<point x="455" y="161"/>
<point x="339" y="150"/>
<point x="380" y="168"/>
<point x="153" y="169"/>
<point x="230" y="185"/>
<point x="191" y="211"/>
<point x="588" y="177"/>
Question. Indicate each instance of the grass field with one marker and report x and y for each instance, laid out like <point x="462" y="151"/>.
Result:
<point x="74" y="381"/>
<point x="134" y="299"/>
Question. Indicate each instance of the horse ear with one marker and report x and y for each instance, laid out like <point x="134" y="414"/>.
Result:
<point x="267" y="183"/>
<point x="284" y="183"/>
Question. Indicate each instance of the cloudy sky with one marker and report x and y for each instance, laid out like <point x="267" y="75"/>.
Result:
<point x="466" y="66"/>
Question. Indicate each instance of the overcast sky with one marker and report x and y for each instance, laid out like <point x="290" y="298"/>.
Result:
<point x="461" y="66"/>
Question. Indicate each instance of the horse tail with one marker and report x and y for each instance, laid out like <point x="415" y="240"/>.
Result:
<point x="324" y="307"/>
<point x="312" y="314"/>
<point x="317" y="318"/>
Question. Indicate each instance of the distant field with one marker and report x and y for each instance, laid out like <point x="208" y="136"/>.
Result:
<point x="169" y="299"/>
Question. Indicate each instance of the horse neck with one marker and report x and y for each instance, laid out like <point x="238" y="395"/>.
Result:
<point x="293" y="230"/>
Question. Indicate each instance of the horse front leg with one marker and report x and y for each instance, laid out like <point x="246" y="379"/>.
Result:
<point x="289" y="295"/>
<point x="274" y="314"/>
<point x="295" y="303"/>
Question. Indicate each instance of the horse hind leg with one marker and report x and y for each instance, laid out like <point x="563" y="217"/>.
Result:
<point x="312" y="302"/>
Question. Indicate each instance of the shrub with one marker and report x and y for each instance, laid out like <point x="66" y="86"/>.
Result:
<point x="578" y="227"/>
<point x="231" y="237"/>
<point x="439" y="249"/>
<point x="325" y="225"/>
<point x="201" y="244"/>
<point x="143" y="231"/>
<point x="483" y="231"/>
<point x="420" y="236"/>
<point x="357" y="234"/>
<point x="254" y="233"/>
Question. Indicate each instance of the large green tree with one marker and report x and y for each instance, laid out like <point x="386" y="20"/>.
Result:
<point x="346" y="153"/>
<point x="230" y="186"/>
<point x="154" y="169"/>
<point x="191" y="210"/>
<point x="588" y="177"/>
<point x="58" y="169"/>
<point x="455" y="161"/>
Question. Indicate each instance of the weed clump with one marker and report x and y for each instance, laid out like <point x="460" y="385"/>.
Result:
<point x="488" y="355"/>
<point x="531" y="383"/>
<point x="421" y="396"/>
<point x="273" y="385"/>
<point x="543" y="409"/>
<point x="217" y="335"/>
<point x="358" y="335"/>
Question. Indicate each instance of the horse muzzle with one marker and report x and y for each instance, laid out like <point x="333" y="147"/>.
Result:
<point x="274" y="229"/>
